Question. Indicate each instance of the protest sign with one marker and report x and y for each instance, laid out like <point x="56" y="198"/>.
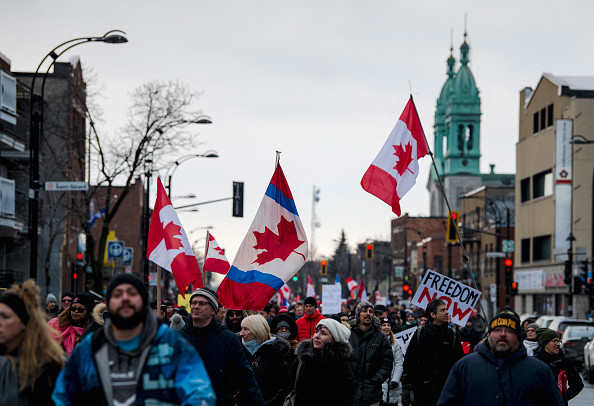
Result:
<point x="459" y="298"/>
<point x="403" y="336"/>
<point x="331" y="298"/>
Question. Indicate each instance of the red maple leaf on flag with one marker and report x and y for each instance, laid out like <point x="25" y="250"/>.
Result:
<point x="174" y="233"/>
<point x="277" y="246"/>
<point x="219" y="250"/>
<point x="404" y="158"/>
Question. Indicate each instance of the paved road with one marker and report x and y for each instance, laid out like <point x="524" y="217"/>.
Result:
<point x="586" y="396"/>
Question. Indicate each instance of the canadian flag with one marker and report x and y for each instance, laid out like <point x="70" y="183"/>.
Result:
<point x="285" y="292"/>
<point x="362" y="291"/>
<point x="394" y="170"/>
<point x="168" y="244"/>
<point x="215" y="261"/>
<point x="311" y="292"/>
<point x="351" y="284"/>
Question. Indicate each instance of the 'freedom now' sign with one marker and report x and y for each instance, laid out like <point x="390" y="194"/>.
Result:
<point x="460" y="298"/>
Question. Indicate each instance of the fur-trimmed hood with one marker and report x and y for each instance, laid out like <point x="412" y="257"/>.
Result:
<point x="332" y="352"/>
<point x="280" y="346"/>
<point x="98" y="313"/>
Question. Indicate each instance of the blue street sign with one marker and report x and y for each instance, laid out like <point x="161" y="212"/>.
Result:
<point x="128" y="255"/>
<point x="115" y="250"/>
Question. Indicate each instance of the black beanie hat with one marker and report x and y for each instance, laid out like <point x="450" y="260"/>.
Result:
<point x="507" y="319"/>
<point x="132" y="280"/>
<point x="17" y="305"/>
<point x="311" y="301"/>
<point x="86" y="300"/>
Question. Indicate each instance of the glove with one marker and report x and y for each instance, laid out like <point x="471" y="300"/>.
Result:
<point x="393" y="385"/>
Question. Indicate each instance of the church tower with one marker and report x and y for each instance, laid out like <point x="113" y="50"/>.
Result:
<point x="457" y="136"/>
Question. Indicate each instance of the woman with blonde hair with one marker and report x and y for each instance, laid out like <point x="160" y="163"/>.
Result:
<point x="30" y="360"/>
<point x="391" y="388"/>
<point x="266" y="355"/>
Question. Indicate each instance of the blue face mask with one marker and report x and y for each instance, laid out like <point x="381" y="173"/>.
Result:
<point x="251" y="346"/>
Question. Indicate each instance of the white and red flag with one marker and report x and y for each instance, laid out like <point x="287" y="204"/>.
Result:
<point x="394" y="170"/>
<point x="168" y="245"/>
<point x="311" y="292"/>
<point x="215" y="261"/>
<point x="351" y="284"/>
<point x="285" y="292"/>
<point x="362" y="291"/>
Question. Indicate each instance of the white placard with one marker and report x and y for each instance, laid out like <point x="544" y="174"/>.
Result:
<point x="331" y="299"/>
<point x="403" y="336"/>
<point x="460" y="298"/>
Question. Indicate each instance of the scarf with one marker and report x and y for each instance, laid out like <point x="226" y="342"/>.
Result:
<point x="251" y="346"/>
<point x="69" y="337"/>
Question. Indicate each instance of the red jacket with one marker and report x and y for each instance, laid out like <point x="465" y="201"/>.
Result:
<point x="307" y="325"/>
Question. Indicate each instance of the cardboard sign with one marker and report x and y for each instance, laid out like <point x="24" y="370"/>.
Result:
<point x="403" y="336"/>
<point x="459" y="298"/>
<point x="331" y="298"/>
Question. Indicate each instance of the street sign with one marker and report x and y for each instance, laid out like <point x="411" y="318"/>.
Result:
<point x="65" y="186"/>
<point x="115" y="250"/>
<point x="127" y="256"/>
<point x="507" y="246"/>
<point x="495" y="255"/>
<point x="398" y="271"/>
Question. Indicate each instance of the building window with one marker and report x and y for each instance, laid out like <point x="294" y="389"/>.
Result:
<point x="550" y="115"/>
<point x="526" y="250"/>
<point x="541" y="248"/>
<point x="542" y="184"/>
<point x="535" y="123"/>
<point x="525" y="189"/>
<point x="543" y="119"/>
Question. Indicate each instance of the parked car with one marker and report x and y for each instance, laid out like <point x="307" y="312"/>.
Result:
<point x="559" y="324"/>
<point x="589" y="361"/>
<point x="573" y="341"/>
<point x="544" y="321"/>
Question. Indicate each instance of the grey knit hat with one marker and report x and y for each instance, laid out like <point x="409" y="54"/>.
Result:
<point x="533" y="325"/>
<point x="362" y="305"/>
<point x="50" y="298"/>
<point x="177" y="322"/>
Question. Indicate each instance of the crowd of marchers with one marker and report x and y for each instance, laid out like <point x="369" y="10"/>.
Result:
<point x="123" y="351"/>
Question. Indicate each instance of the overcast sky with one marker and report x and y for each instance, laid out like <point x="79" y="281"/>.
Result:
<point x="322" y="81"/>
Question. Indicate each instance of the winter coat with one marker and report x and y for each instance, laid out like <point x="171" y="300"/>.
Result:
<point x="270" y="366"/>
<point x="561" y="365"/>
<point x="67" y="335"/>
<point x="225" y="362"/>
<point x="307" y="325"/>
<point x="37" y="394"/>
<point x="325" y="377"/>
<point x="392" y="395"/>
<point x="531" y="346"/>
<point x="480" y="325"/>
<point x="371" y="362"/>
<point x="99" y="312"/>
<point x="169" y="370"/>
<point x="469" y="334"/>
<point x="432" y="351"/>
<point x="515" y="380"/>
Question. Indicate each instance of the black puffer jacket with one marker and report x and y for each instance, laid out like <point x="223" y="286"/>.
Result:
<point x="270" y="366"/>
<point x="371" y="362"/>
<point x="560" y="363"/>
<point x="429" y="358"/>
<point x="225" y="362"/>
<point x="325" y="377"/>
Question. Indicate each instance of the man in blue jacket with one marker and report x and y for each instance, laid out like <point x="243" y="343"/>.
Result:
<point x="501" y="373"/>
<point x="133" y="360"/>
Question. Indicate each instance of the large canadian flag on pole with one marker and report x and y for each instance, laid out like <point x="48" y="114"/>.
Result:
<point x="394" y="170"/>
<point x="168" y="245"/>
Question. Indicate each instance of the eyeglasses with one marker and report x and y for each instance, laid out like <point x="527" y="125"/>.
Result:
<point x="66" y="300"/>
<point x="556" y="341"/>
<point x="201" y="304"/>
<point x="531" y="330"/>
<point x="77" y="309"/>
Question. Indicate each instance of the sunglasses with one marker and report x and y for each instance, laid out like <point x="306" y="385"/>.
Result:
<point x="77" y="309"/>
<point x="66" y="301"/>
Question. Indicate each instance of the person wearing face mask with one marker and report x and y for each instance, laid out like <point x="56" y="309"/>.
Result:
<point x="284" y="326"/>
<point x="265" y="354"/>
<point x="321" y="374"/>
<point x="568" y="379"/>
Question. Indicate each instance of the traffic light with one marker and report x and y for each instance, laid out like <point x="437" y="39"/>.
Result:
<point x="451" y="235"/>
<point x="514" y="286"/>
<point x="567" y="273"/>
<point x="407" y="291"/>
<point x="508" y="272"/>
<point x="237" y="199"/>
<point x="584" y="271"/>
<point x="369" y="251"/>
<point x="323" y="268"/>
<point x="296" y="277"/>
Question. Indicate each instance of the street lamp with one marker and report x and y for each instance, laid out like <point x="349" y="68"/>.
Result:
<point x="178" y="162"/>
<point x="36" y="131"/>
<point x="580" y="139"/>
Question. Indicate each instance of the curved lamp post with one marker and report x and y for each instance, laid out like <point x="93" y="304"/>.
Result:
<point x="178" y="162"/>
<point x="36" y="130"/>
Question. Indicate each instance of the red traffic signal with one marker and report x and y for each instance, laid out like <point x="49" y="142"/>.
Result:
<point x="79" y="256"/>
<point x="406" y="288"/>
<point x="410" y="292"/>
<point x="324" y="263"/>
<point x="75" y="276"/>
<point x="514" y="285"/>
<point x="509" y="262"/>
<point x="454" y="215"/>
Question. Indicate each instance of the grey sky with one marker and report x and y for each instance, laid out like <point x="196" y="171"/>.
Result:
<point x="322" y="81"/>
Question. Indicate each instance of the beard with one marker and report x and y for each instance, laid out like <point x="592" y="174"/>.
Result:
<point x="235" y="326"/>
<point x="127" y="323"/>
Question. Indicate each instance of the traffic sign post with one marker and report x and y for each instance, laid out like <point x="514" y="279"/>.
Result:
<point x="115" y="250"/>
<point x="127" y="256"/>
<point x="66" y="186"/>
<point x="507" y="246"/>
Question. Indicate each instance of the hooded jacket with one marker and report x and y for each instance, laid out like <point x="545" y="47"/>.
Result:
<point x="560" y="364"/>
<point x="371" y="362"/>
<point x="515" y="380"/>
<point x="225" y="362"/>
<point x="167" y="369"/>
<point x="392" y="395"/>
<point x="270" y="366"/>
<point x="325" y="377"/>
<point x="99" y="312"/>
<point x="306" y="325"/>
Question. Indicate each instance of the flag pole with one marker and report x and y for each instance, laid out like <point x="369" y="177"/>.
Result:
<point x="158" y="291"/>
<point x="205" y="256"/>
<point x="277" y="159"/>
<point x="465" y="257"/>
